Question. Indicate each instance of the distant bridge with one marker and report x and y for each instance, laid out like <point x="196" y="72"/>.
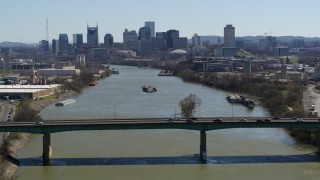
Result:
<point x="201" y="124"/>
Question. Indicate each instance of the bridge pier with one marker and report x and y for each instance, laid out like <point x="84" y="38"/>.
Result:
<point x="203" y="146"/>
<point x="46" y="150"/>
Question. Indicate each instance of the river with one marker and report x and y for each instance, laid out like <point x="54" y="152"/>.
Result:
<point x="162" y="154"/>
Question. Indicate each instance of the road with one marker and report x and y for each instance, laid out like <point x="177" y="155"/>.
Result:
<point x="158" y="120"/>
<point x="310" y="97"/>
<point x="6" y="114"/>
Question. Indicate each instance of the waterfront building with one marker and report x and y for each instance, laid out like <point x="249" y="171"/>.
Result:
<point x="170" y="35"/>
<point x="229" y="36"/>
<point x="144" y="33"/>
<point x="130" y="40"/>
<point x="63" y="43"/>
<point x="216" y="65"/>
<point x="196" y="40"/>
<point x="108" y="40"/>
<point x="92" y="36"/>
<point x="77" y="40"/>
<point x="150" y="24"/>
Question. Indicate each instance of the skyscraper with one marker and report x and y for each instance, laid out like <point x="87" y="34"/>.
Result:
<point x="43" y="45"/>
<point x="170" y="35"/>
<point x="77" y="40"/>
<point x="130" y="40"/>
<point x="229" y="36"/>
<point x="144" y="33"/>
<point x="196" y="40"/>
<point x="55" y="46"/>
<point x="92" y="36"/>
<point x="63" y="43"/>
<point x="150" y="24"/>
<point x="108" y="40"/>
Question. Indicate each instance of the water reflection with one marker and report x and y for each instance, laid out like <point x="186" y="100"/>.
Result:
<point x="173" y="160"/>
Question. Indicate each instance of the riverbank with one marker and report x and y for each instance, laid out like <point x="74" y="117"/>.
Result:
<point x="16" y="141"/>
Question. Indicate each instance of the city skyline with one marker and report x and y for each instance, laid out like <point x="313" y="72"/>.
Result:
<point x="26" y="21"/>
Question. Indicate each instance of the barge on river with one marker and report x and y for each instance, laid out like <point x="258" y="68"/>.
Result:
<point x="236" y="98"/>
<point x="149" y="89"/>
<point x="65" y="102"/>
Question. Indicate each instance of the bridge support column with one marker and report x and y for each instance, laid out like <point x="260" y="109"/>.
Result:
<point x="203" y="146"/>
<point x="46" y="151"/>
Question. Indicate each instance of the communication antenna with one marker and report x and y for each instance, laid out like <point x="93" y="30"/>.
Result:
<point x="47" y="30"/>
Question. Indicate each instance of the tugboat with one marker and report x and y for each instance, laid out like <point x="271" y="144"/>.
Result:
<point x="148" y="89"/>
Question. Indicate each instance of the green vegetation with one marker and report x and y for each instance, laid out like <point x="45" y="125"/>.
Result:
<point x="26" y="113"/>
<point x="281" y="99"/>
<point x="244" y="53"/>
<point x="189" y="104"/>
<point x="275" y="96"/>
<point x="290" y="59"/>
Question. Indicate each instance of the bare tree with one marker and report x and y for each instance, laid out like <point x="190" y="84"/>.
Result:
<point x="189" y="104"/>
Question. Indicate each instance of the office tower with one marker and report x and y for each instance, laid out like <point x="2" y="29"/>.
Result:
<point x="130" y="40"/>
<point x="144" y="33"/>
<point x="43" y="45"/>
<point x="108" y="40"/>
<point x="150" y="24"/>
<point x="92" y="36"/>
<point x="179" y="43"/>
<point x="63" y="43"/>
<point x="196" y="41"/>
<point x="77" y="40"/>
<point x="55" y="46"/>
<point x="170" y="35"/>
<point x="229" y="36"/>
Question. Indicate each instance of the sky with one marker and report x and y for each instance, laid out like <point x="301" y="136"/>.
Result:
<point x="25" y="20"/>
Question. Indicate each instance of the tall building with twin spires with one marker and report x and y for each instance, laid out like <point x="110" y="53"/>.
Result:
<point x="92" y="36"/>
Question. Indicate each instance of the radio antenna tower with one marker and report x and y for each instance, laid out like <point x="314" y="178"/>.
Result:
<point x="47" y="30"/>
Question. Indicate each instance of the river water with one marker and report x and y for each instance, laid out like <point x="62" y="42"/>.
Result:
<point x="162" y="154"/>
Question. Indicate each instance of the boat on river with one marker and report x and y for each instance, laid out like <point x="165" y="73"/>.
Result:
<point x="65" y="102"/>
<point x="93" y="83"/>
<point x="113" y="71"/>
<point x="148" y="89"/>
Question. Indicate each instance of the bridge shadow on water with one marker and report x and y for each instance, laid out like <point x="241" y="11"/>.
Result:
<point x="174" y="160"/>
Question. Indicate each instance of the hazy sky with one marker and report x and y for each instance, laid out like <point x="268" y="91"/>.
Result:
<point x="25" y="20"/>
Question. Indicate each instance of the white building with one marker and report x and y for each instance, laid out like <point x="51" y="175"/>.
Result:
<point x="196" y="40"/>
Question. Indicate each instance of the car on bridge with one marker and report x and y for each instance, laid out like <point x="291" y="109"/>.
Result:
<point x="259" y="120"/>
<point x="217" y="120"/>
<point x="267" y="120"/>
<point x="243" y="120"/>
<point x="39" y="123"/>
<point x="299" y="120"/>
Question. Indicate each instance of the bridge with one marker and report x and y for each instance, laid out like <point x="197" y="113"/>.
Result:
<point x="200" y="124"/>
